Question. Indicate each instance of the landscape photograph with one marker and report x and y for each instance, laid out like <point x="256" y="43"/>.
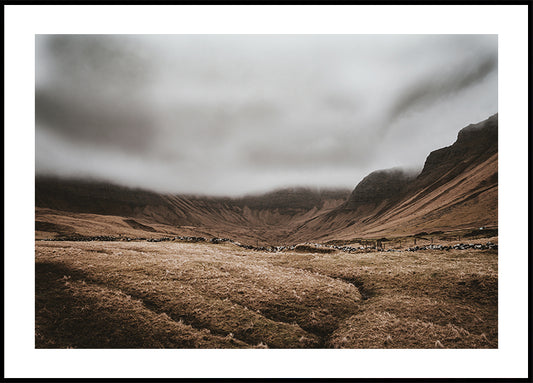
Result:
<point x="266" y="191"/>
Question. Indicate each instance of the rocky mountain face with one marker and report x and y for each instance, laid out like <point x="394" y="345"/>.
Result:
<point x="457" y="188"/>
<point x="379" y="187"/>
<point x="475" y="144"/>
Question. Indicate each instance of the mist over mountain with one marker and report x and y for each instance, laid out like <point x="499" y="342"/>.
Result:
<point x="232" y="115"/>
<point x="457" y="188"/>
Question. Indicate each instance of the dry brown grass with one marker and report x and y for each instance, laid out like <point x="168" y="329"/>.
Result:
<point x="72" y="313"/>
<point x="415" y="298"/>
<point x="139" y="294"/>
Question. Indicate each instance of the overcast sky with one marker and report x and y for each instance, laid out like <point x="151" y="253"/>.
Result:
<point x="237" y="114"/>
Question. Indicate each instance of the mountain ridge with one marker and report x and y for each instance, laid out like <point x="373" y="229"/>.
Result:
<point x="451" y="176"/>
<point x="457" y="187"/>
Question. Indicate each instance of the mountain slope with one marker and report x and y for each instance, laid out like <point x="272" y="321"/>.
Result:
<point x="457" y="188"/>
<point x="114" y="209"/>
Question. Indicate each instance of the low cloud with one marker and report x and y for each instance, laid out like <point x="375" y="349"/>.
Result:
<point x="442" y="83"/>
<point x="236" y="114"/>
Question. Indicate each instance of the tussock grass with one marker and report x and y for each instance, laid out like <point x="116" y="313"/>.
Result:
<point x="382" y="329"/>
<point x="208" y="287"/>
<point x="414" y="298"/>
<point x="71" y="313"/>
<point x="210" y="296"/>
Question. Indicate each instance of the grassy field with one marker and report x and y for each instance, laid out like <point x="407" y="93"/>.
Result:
<point x="185" y="295"/>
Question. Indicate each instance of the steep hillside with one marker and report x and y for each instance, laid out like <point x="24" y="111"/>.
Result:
<point x="96" y="208"/>
<point x="378" y="191"/>
<point x="457" y="188"/>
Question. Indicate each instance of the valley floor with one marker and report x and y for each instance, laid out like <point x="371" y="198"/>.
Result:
<point x="204" y="295"/>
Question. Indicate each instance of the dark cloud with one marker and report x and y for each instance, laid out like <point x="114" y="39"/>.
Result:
<point x="93" y="92"/>
<point x="232" y="114"/>
<point x="115" y="123"/>
<point x="443" y="83"/>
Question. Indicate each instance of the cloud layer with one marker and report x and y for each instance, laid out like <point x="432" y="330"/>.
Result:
<point x="236" y="114"/>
